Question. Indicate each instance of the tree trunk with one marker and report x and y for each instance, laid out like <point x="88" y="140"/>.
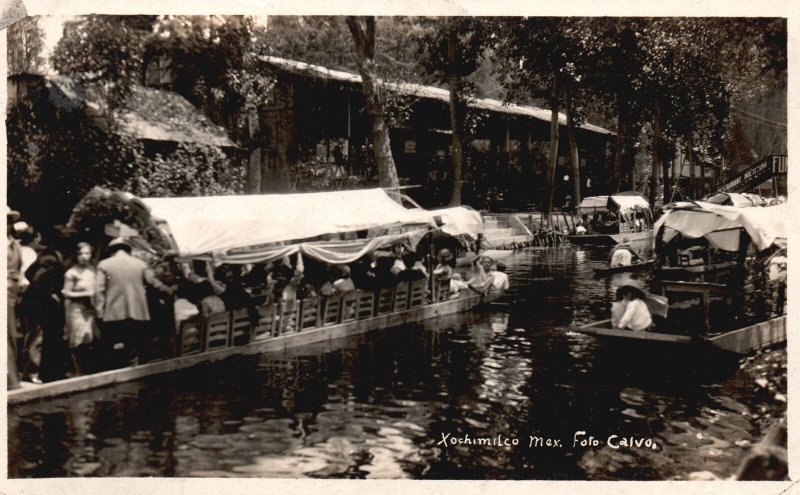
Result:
<point x="656" y="156"/>
<point x="616" y="178"/>
<point x="363" y="31"/>
<point x="551" y="170"/>
<point x="690" y="158"/>
<point x="274" y="175"/>
<point x="573" y="150"/>
<point x="457" y="111"/>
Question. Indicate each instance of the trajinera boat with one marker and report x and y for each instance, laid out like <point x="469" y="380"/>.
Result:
<point x="613" y="219"/>
<point x="737" y="313"/>
<point x="332" y="227"/>
<point x="633" y="267"/>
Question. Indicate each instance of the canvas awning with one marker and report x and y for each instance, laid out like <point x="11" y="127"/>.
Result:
<point x="732" y="199"/>
<point x="593" y="203"/>
<point x="630" y="201"/>
<point x="720" y="224"/>
<point x="459" y="220"/>
<point x="251" y="228"/>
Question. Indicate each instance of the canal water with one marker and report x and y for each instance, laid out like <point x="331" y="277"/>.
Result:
<point x="427" y="401"/>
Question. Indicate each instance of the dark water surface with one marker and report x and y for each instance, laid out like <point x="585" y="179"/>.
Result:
<point x="378" y="405"/>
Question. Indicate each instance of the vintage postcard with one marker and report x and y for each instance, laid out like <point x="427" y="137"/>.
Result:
<point x="247" y="246"/>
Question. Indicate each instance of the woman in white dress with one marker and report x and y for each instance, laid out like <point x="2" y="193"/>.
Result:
<point x="79" y="283"/>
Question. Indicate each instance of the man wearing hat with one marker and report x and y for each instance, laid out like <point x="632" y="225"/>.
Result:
<point x="14" y="268"/>
<point x="623" y="255"/>
<point x="121" y="303"/>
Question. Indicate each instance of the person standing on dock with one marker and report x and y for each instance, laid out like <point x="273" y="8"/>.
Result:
<point x="14" y="269"/>
<point x="79" y="285"/>
<point x="121" y="304"/>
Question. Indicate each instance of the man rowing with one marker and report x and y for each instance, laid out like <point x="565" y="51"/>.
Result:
<point x="623" y="255"/>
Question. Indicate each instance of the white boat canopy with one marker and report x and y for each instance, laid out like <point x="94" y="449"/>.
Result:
<point x="735" y="199"/>
<point x="593" y="203"/>
<point x="622" y="202"/>
<point x="260" y="228"/>
<point x="628" y="202"/>
<point x="459" y="220"/>
<point x="721" y="224"/>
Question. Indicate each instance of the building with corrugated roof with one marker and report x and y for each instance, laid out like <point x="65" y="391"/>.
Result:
<point x="320" y="113"/>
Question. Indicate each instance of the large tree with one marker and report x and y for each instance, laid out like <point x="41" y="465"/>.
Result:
<point x="103" y="50"/>
<point x="25" y="44"/>
<point x="452" y="53"/>
<point x="363" y="31"/>
<point x="544" y="60"/>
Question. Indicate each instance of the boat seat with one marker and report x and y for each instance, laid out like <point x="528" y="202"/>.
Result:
<point x="217" y="330"/>
<point x="333" y="309"/>
<point x="401" y="296"/>
<point x="241" y="327"/>
<point x="309" y="313"/>
<point x="190" y="336"/>
<point x="264" y="329"/>
<point x="365" y="304"/>
<point x="385" y="300"/>
<point x="288" y="311"/>
<point x="348" y="306"/>
<point x="417" y="296"/>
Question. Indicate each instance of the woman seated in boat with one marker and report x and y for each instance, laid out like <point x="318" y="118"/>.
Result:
<point x="636" y="316"/>
<point x="618" y="307"/>
<point x="482" y="280"/>
<point x="343" y="284"/>
<point x="457" y="285"/>
<point x="444" y="269"/>
<point x="415" y="270"/>
<point x="623" y="255"/>
<point x="499" y="277"/>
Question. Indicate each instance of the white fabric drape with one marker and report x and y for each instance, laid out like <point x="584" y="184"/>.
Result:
<point x="765" y="225"/>
<point x="333" y="252"/>
<point x="206" y="226"/>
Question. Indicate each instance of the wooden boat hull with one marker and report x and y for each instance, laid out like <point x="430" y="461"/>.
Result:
<point x="752" y="337"/>
<point x="273" y="344"/>
<point x="621" y="269"/>
<point x="740" y="341"/>
<point x="609" y="239"/>
<point x="603" y="329"/>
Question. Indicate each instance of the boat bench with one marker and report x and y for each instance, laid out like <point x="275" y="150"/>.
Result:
<point x="232" y="328"/>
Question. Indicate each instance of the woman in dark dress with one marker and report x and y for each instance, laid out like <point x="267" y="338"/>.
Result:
<point x="43" y="309"/>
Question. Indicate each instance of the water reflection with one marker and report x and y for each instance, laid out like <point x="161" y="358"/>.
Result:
<point x="378" y="405"/>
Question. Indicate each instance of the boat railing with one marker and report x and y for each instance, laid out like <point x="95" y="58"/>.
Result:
<point x="241" y="326"/>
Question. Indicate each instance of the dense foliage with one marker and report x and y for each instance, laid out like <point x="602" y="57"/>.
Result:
<point x="711" y="88"/>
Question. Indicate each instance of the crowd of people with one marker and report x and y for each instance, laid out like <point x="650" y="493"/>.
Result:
<point x="609" y="222"/>
<point x="73" y="312"/>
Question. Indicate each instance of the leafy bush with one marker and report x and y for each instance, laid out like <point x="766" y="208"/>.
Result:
<point x="192" y="170"/>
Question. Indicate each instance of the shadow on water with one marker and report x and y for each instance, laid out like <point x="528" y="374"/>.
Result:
<point x="381" y="405"/>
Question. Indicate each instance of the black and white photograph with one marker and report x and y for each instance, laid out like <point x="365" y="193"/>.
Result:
<point x="382" y="247"/>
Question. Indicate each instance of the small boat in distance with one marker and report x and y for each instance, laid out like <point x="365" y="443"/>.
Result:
<point x="641" y="265"/>
<point x="615" y="218"/>
<point x="741" y="341"/>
